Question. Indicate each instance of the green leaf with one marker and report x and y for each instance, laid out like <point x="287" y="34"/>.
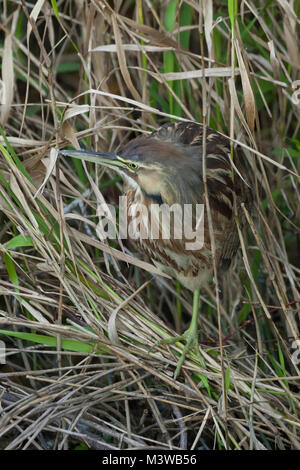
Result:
<point x="12" y="273"/>
<point x="68" y="344"/>
<point x="19" y="240"/>
<point x="227" y="379"/>
<point x="11" y="270"/>
<point x="67" y="67"/>
<point x="186" y="19"/>
<point x="80" y="170"/>
<point x="55" y="8"/>
<point x="281" y="360"/>
<point x="232" y="10"/>
<point x="205" y="383"/>
<point x="170" y="15"/>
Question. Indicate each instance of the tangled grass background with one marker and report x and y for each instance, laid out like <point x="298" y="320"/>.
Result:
<point x="80" y="316"/>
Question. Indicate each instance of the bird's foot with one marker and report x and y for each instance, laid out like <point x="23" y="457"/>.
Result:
<point x="190" y="336"/>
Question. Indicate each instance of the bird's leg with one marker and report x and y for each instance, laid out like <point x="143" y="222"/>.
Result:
<point x="190" y="336"/>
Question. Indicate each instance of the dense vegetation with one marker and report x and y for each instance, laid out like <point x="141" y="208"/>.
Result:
<point x="80" y="317"/>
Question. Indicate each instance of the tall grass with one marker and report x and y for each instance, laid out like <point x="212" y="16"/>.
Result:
<point x="80" y="316"/>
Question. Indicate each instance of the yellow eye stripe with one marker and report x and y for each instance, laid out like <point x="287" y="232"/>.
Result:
<point x="130" y="165"/>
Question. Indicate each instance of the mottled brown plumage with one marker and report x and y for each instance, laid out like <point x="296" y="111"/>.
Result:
<point x="166" y="167"/>
<point x="176" y="149"/>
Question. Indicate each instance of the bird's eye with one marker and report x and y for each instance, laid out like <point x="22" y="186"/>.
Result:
<point x="133" y="166"/>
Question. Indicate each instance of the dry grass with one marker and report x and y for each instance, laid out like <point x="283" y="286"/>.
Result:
<point x="101" y="72"/>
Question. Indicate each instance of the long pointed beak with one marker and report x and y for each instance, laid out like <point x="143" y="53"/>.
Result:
<point x="108" y="159"/>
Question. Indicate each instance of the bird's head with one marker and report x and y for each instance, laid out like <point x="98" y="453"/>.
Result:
<point x="162" y="170"/>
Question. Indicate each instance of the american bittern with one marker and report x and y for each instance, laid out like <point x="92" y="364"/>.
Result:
<point x="166" y="167"/>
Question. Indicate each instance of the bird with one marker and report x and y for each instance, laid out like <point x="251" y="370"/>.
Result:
<point x="166" y="168"/>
